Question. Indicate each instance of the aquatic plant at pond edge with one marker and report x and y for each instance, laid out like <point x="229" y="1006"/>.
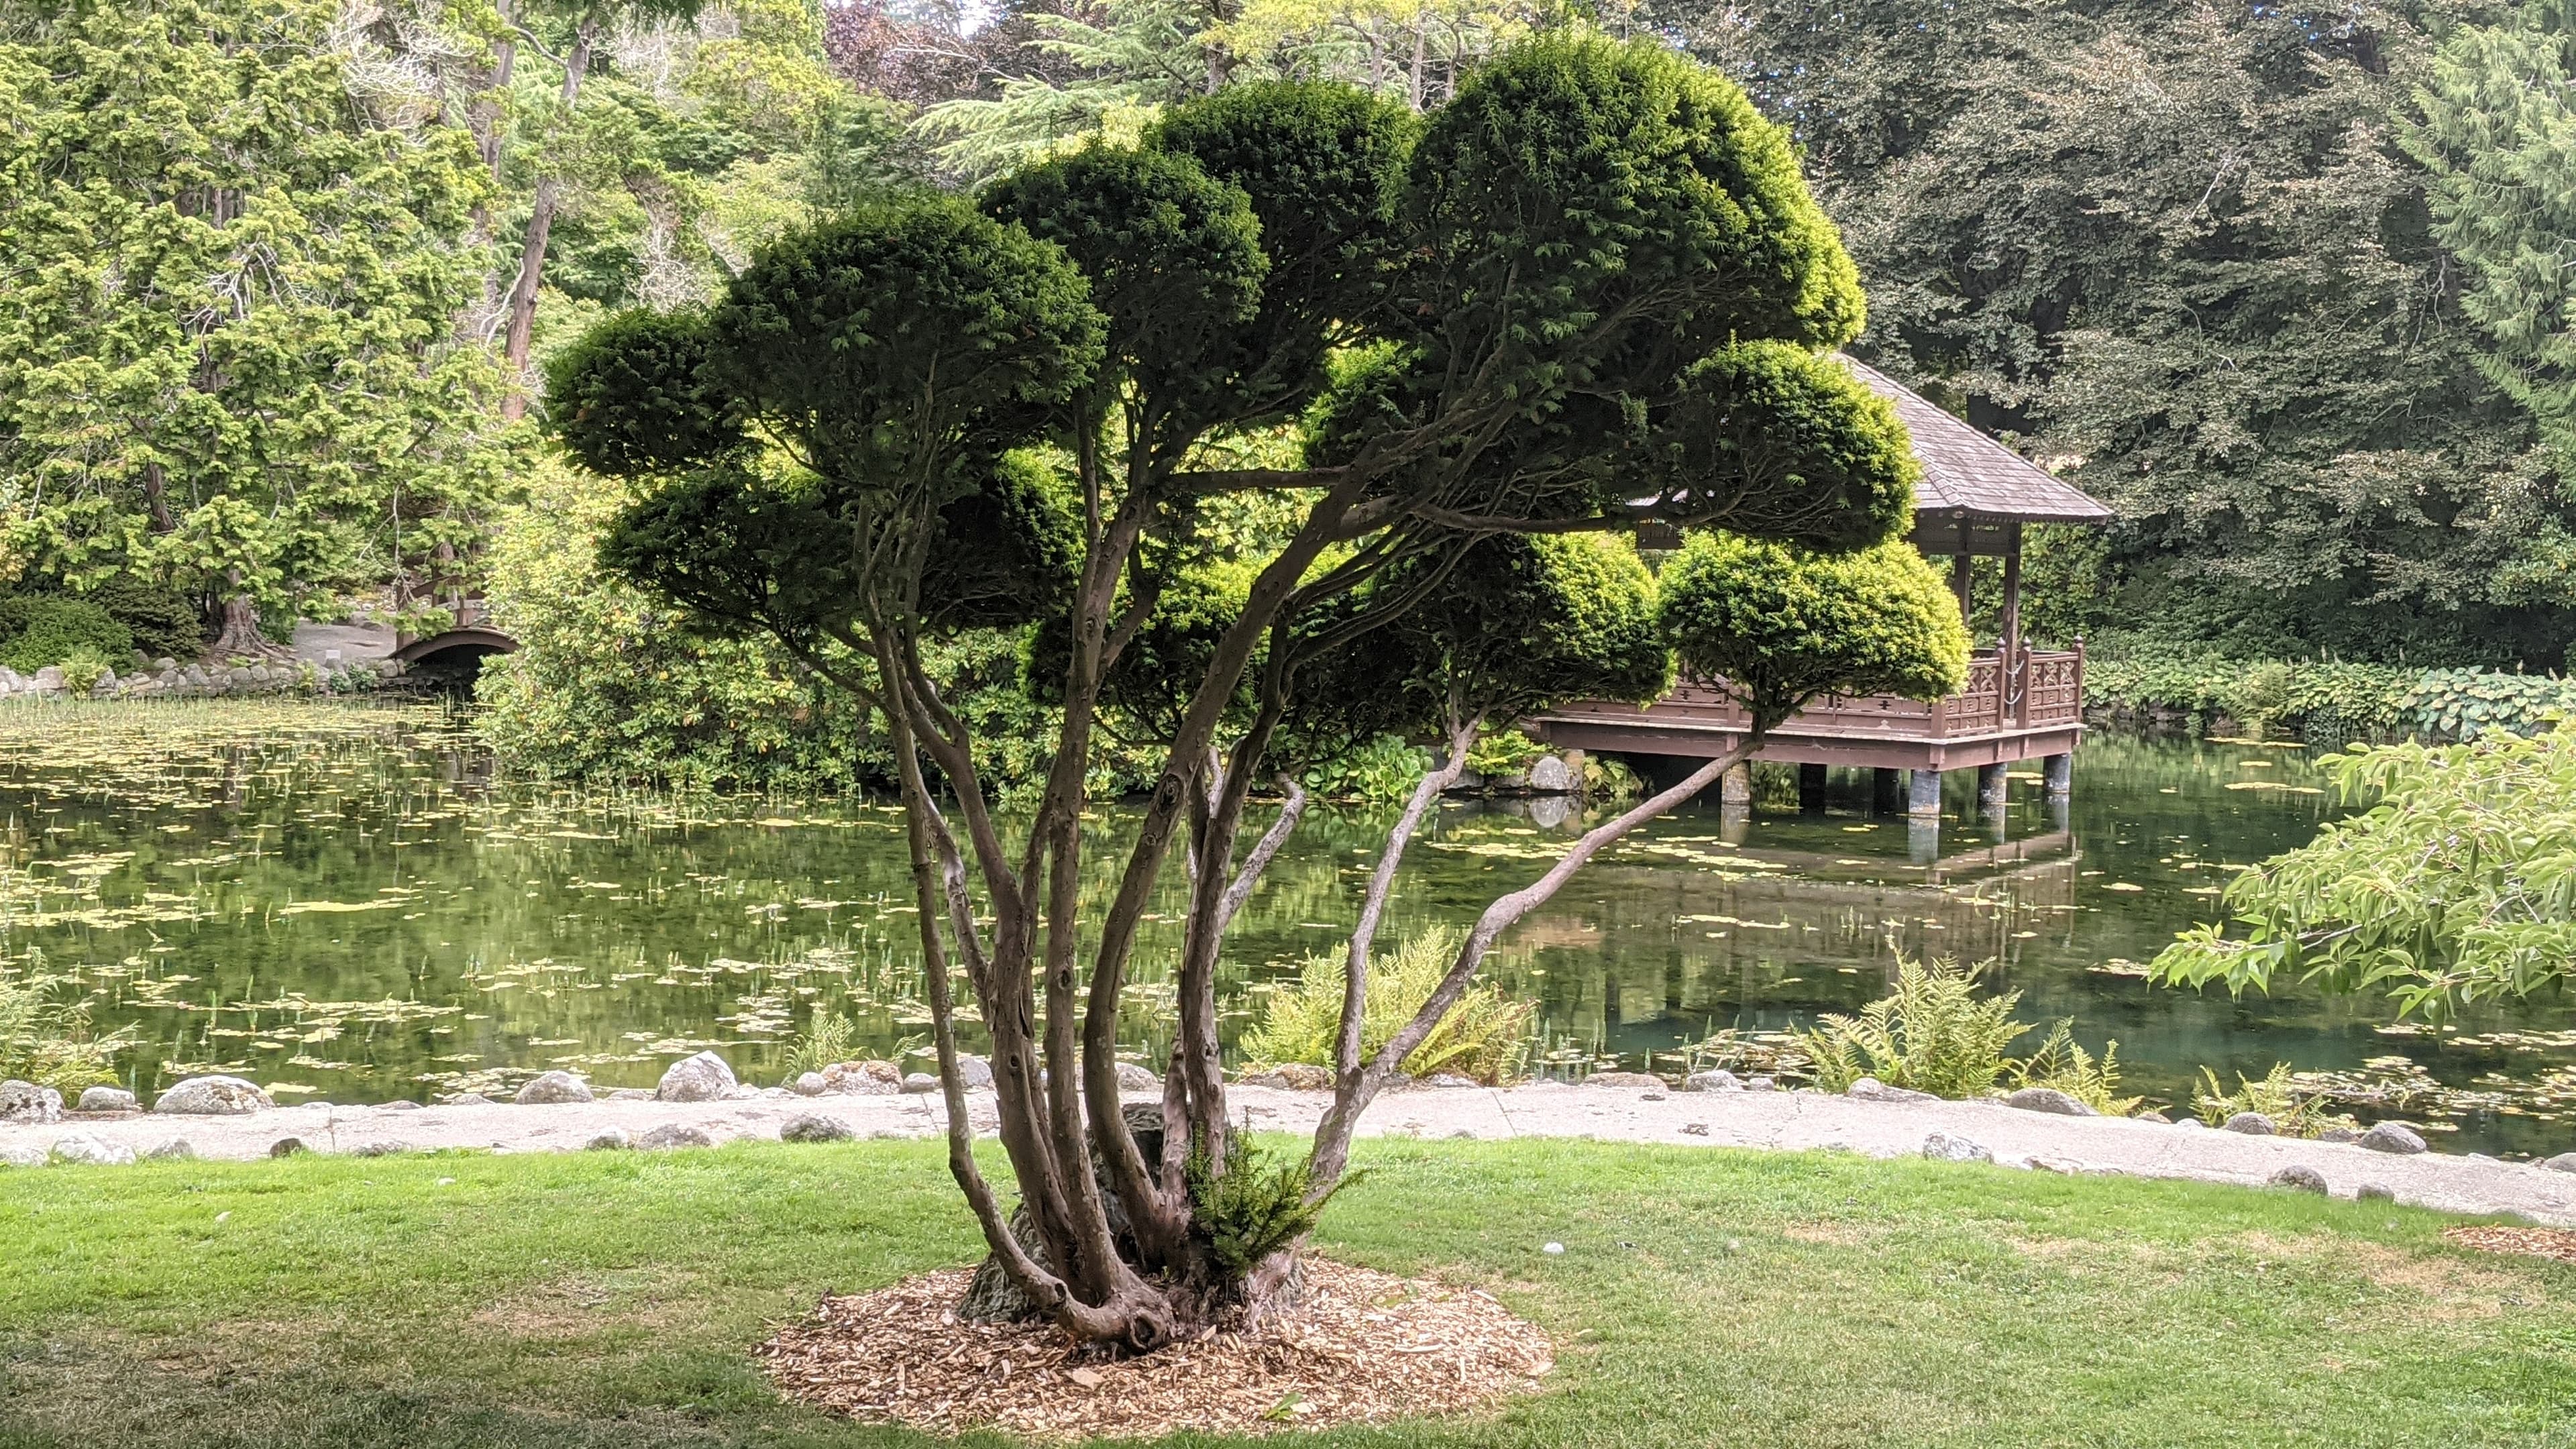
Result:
<point x="1934" y="1032"/>
<point x="45" y="1034"/>
<point x="2295" y="1111"/>
<point x="1487" y="1037"/>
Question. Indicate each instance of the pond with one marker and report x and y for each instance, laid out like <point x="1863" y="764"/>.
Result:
<point x="339" y="902"/>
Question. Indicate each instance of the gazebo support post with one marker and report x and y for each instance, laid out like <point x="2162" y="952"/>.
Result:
<point x="1963" y="578"/>
<point x="2013" y="673"/>
<point x="1886" y="792"/>
<point x="2057" y="773"/>
<point x="1735" y="787"/>
<point x="1923" y="796"/>
<point x="1994" y="783"/>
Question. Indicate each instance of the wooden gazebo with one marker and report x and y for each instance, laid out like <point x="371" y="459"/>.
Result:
<point x="2019" y="704"/>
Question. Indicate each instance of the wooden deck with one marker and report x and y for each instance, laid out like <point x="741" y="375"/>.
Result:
<point x="2029" y="712"/>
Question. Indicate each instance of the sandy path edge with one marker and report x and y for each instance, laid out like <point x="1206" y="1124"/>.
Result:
<point x="1780" y="1120"/>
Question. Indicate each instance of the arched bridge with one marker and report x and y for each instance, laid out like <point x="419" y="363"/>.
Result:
<point x="462" y="647"/>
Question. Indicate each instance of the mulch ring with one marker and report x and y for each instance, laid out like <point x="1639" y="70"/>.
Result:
<point x="1364" y="1346"/>
<point x="2557" y="1243"/>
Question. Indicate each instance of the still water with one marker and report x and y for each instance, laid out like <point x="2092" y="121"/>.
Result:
<point x="342" y="903"/>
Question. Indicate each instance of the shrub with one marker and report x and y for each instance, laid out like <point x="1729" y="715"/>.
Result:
<point x="1258" y="1206"/>
<point x="83" y="668"/>
<point x="1933" y="1033"/>
<point x="2063" y="1064"/>
<point x="47" y="1039"/>
<point x="1487" y="1037"/>
<point x="2294" y="1113"/>
<point x="38" y="630"/>
<point x="165" y="623"/>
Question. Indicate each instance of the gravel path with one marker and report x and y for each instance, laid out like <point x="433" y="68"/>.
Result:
<point x="1780" y="1120"/>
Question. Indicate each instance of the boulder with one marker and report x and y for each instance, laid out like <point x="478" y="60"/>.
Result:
<point x="2252" y="1124"/>
<point x="288" y="1147"/>
<point x="49" y="680"/>
<point x="812" y="1128"/>
<point x="701" y="1078"/>
<point x="1641" y="1080"/>
<point x="83" y="1150"/>
<point x="863" y="1079"/>
<point x="400" y="1104"/>
<point x="379" y="1149"/>
<point x="1448" y="1079"/>
<point x="553" y="1089"/>
<point x="2192" y="1124"/>
<point x="674" y="1134"/>
<point x="811" y="1084"/>
<point x="631" y="1094"/>
<point x="26" y="1102"/>
<point x="2563" y="1162"/>
<point x="1944" y="1147"/>
<point x="920" y="1083"/>
<point x="1718" y="1081"/>
<point x="2049" y="1100"/>
<point x="2159" y="1118"/>
<point x="1292" y="1077"/>
<point x="2300" y="1179"/>
<point x="612" y="1140"/>
<point x="213" y="1097"/>
<point x="1871" y="1089"/>
<point x="2394" y="1137"/>
<point x="21" y="1154"/>
<point x="1549" y="776"/>
<point x="465" y="1099"/>
<point x="2374" y="1192"/>
<point x="2339" y="1134"/>
<point x="1133" y="1078"/>
<point x="108" y="1099"/>
<point x="1759" y="1083"/>
<point x="177" y="1149"/>
<point x="976" y="1073"/>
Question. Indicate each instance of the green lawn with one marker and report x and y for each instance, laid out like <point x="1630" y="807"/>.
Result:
<point x="1704" y="1298"/>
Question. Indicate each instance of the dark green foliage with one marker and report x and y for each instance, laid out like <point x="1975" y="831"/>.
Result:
<point x="741" y="551"/>
<point x="1782" y="626"/>
<point x="1782" y="443"/>
<point x="1174" y="260"/>
<point x="164" y="622"/>
<point x="1256" y="1207"/>
<point x="41" y="629"/>
<point x="1008" y="553"/>
<point x="631" y="396"/>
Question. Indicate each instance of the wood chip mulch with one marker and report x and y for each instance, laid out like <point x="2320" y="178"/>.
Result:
<point x="1363" y="1347"/>
<point x="2557" y="1243"/>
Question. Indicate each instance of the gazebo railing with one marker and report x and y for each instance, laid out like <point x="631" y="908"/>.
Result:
<point x="2046" y="688"/>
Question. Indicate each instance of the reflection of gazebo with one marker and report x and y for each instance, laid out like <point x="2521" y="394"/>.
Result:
<point x="2018" y="704"/>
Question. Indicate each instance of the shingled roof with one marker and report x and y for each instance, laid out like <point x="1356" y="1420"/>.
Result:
<point x="1970" y="475"/>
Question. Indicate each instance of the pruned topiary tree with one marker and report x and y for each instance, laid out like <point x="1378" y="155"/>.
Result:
<point x="1590" y="292"/>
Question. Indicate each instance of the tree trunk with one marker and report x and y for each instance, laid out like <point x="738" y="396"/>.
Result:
<point x="239" y="636"/>
<point x="532" y="249"/>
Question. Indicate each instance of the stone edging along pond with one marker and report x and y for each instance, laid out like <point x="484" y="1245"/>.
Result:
<point x="169" y="679"/>
<point x="1615" y="1108"/>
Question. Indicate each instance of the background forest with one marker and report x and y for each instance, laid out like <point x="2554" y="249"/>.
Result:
<point x="2288" y="288"/>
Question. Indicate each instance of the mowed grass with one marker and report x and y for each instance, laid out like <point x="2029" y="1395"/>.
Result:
<point x="1786" y="1301"/>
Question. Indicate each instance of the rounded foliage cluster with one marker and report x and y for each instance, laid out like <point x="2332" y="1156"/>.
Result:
<point x="38" y="630"/>
<point x="1782" y="625"/>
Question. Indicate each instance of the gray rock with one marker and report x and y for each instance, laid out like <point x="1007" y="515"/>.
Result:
<point x="2301" y="1179"/>
<point x="701" y="1078"/>
<point x="465" y="1099"/>
<point x="1871" y="1089"/>
<point x="920" y="1082"/>
<point x="26" y="1102"/>
<point x="2481" y="1157"/>
<point x="631" y="1094"/>
<point x="863" y="1079"/>
<point x="612" y="1140"/>
<point x="2050" y="1100"/>
<point x="288" y="1147"/>
<point x="2394" y="1137"/>
<point x="553" y="1089"/>
<point x="108" y="1099"/>
<point x="2339" y="1134"/>
<point x="213" y="1097"/>
<point x="1133" y="1078"/>
<point x="2563" y="1162"/>
<point x="811" y="1084"/>
<point x="49" y="680"/>
<point x="1646" y="1081"/>
<point x="1759" y="1083"/>
<point x="1944" y="1147"/>
<point x="400" y="1105"/>
<point x="2159" y="1118"/>
<point x="21" y="1154"/>
<point x="2374" y="1192"/>
<point x="1293" y="1077"/>
<point x="674" y="1134"/>
<point x="975" y="1072"/>
<point x="1718" y="1081"/>
<point x="811" y="1128"/>
<point x="1695" y="1129"/>
<point x="2252" y="1124"/>
<point x="82" y="1150"/>
<point x="379" y="1149"/>
<point x="177" y="1149"/>
<point x="1448" y="1079"/>
<point x="743" y="1094"/>
<point x="2193" y="1124"/>
<point x="773" y="1094"/>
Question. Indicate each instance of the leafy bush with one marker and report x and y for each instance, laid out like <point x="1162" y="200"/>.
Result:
<point x="2294" y="1113"/>
<point x="38" y="630"/>
<point x="2063" y="1064"/>
<point x="1503" y="751"/>
<point x="83" y="668"/>
<point x="165" y="623"/>
<point x="825" y="1040"/>
<point x="1487" y="1037"/>
<point x="1258" y="1206"/>
<point x="1933" y="1033"/>
<point x="47" y="1039"/>
<point x="2328" y="701"/>
<point x="1381" y="772"/>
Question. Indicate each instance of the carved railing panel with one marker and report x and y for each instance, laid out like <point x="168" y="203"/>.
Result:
<point x="2051" y="690"/>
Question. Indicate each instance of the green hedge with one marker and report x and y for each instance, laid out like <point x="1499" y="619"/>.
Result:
<point x="37" y="630"/>
<point x="2329" y="701"/>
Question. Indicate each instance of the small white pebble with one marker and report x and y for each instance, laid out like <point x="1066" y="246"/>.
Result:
<point x="446" y="1181"/>
<point x="221" y="1216"/>
<point x="1553" y="1249"/>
